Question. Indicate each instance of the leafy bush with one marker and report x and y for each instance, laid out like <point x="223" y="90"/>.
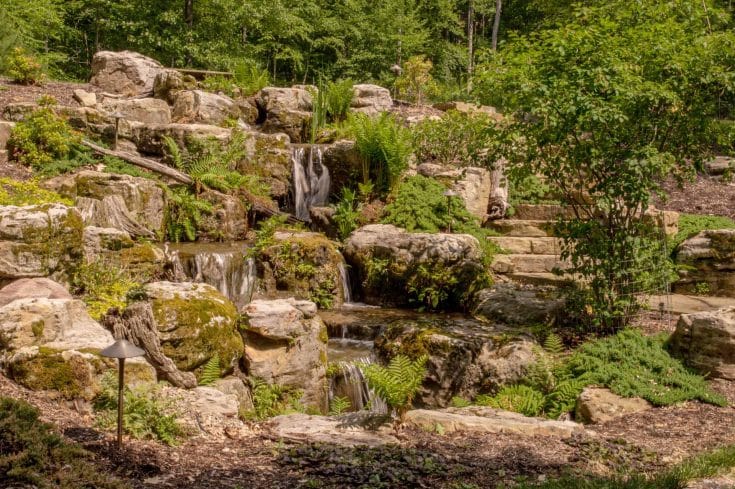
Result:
<point x="32" y="455"/>
<point x="248" y="78"/>
<point x="43" y="137"/>
<point x="24" y="68"/>
<point x="145" y="415"/>
<point x="184" y="212"/>
<point x="273" y="400"/>
<point x="14" y="192"/>
<point x="416" y="82"/>
<point x="529" y="189"/>
<point x="346" y="213"/>
<point x="384" y="146"/>
<point x="457" y="139"/>
<point x="692" y="224"/>
<point x="102" y="286"/>
<point x="339" y="96"/>
<point x="398" y="382"/>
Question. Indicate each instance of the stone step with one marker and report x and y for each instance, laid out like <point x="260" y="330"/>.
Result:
<point x="545" y="212"/>
<point x="528" y="246"/>
<point x="522" y="228"/>
<point x="541" y="278"/>
<point x="519" y="263"/>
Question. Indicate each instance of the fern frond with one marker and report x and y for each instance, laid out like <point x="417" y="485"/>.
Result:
<point x="210" y="371"/>
<point x="172" y="149"/>
<point x="553" y="344"/>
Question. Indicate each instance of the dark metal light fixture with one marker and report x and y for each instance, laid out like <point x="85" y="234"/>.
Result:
<point x="117" y="115"/>
<point x="121" y="349"/>
<point x="449" y="194"/>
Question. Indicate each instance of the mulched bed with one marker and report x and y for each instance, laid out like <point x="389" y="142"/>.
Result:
<point x="63" y="92"/>
<point x="705" y="195"/>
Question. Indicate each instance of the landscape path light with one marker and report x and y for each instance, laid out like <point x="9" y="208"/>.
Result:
<point x="121" y="349"/>
<point x="117" y="115"/>
<point x="449" y="194"/>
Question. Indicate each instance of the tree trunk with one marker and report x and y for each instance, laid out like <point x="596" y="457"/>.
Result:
<point x="496" y="23"/>
<point x="470" y="43"/>
<point x="189" y="13"/>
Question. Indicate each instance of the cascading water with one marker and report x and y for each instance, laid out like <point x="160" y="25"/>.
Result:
<point x="310" y="180"/>
<point x="224" y="267"/>
<point x="346" y="284"/>
<point x="350" y="383"/>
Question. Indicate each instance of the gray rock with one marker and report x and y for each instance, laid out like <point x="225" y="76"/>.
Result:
<point x="126" y="72"/>
<point x="169" y="82"/>
<point x="518" y="305"/>
<point x="85" y="98"/>
<point x="288" y="110"/>
<point x="706" y="342"/>
<point x="719" y="165"/>
<point x="32" y="288"/>
<point x="596" y="405"/>
<point x="206" y="411"/>
<point x="6" y="128"/>
<point x="198" y="106"/>
<point x="350" y="430"/>
<point x="286" y="344"/>
<point x="149" y="137"/>
<point x="709" y="259"/>
<point x="371" y="99"/>
<point x="144" y="110"/>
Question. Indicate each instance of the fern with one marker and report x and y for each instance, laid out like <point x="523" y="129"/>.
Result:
<point x="518" y="398"/>
<point x="553" y="344"/>
<point x="339" y="405"/>
<point x="563" y="398"/>
<point x="273" y="400"/>
<point x="339" y="96"/>
<point x="210" y="371"/>
<point x="184" y="212"/>
<point x="398" y="382"/>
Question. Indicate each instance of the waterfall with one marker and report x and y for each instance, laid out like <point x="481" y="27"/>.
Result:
<point x="221" y="266"/>
<point x="350" y="383"/>
<point x="310" y="180"/>
<point x="346" y="284"/>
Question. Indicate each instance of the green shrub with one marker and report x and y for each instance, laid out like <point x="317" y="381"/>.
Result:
<point x="43" y="137"/>
<point x="692" y="224"/>
<point x="529" y="189"/>
<point x="14" y="192"/>
<point x="146" y="415"/>
<point x="184" y="212"/>
<point x="116" y="165"/>
<point x="398" y="382"/>
<point x="416" y="82"/>
<point x="273" y="400"/>
<point x="339" y="96"/>
<point x="384" y="146"/>
<point x="457" y="139"/>
<point x="346" y="213"/>
<point x="32" y="455"/>
<point x="24" y="68"/>
<point x="518" y="398"/>
<point x="102" y="286"/>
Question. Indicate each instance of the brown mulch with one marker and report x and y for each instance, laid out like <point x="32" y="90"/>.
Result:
<point x="63" y="92"/>
<point x="705" y="195"/>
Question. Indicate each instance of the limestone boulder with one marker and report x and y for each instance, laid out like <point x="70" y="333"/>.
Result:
<point x="465" y="357"/>
<point x="149" y="137"/>
<point x="169" y="82"/>
<point x="99" y="241"/>
<point x="719" y="165"/>
<point x="286" y="344"/>
<point x="32" y="288"/>
<point x="472" y="184"/>
<point x="709" y="259"/>
<point x="6" y="128"/>
<point x="353" y="429"/>
<point x="706" y="341"/>
<point x="596" y="405"/>
<point x="85" y="98"/>
<point x="125" y="72"/>
<point x="132" y="204"/>
<point x="195" y="322"/>
<point x="39" y="241"/>
<point x="287" y="110"/>
<point x="518" y="305"/>
<point x="269" y="156"/>
<point x="371" y="99"/>
<point x="343" y="162"/>
<point x="228" y="220"/>
<point x="144" y="110"/>
<point x="198" y="106"/>
<point x="205" y="411"/>
<point x="386" y="259"/>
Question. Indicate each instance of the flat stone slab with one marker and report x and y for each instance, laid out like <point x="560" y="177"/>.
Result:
<point x="478" y="419"/>
<point x="528" y="245"/>
<point x="522" y="227"/>
<point x="687" y="304"/>
<point x="350" y="429"/>
<point x="520" y="263"/>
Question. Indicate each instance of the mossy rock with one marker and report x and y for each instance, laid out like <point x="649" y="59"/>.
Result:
<point x="71" y="373"/>
<point x="195" y="322"/>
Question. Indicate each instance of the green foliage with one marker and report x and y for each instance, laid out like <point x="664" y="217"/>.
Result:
<point x="459" y="402"/>
<point x="457" y="139"/>
<point x="318" y="111"/>
<point x="384" y="146"/>
<point x="431" y="285"/>
<point x="32" y="455"/>
<point x="146" y="414"/>
<point x="692" y="224"/>
<point x="339" y="405"/>
<point x="102" y="286"/>
<point x="14" y="192"/>
<point x="529" y="189"/>
<point x="339" y="96"/>
<point x="24" y="68"/>
<point x="41" y="138"/>
<point x="273" y="400"/>
<point x="398" y="382"/>
<point x="184" y="212"/>
<point x="553" y="344"/>
<point x="518" y="398"/>
<point x="415" y="82"/>
<point x="116" y="165"/>
<point x="346" y="213"/>
<point x="211" y="371"/>
<point x="264" y="235"/>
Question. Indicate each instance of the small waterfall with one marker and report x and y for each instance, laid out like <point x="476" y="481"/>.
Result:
<point x="346" y="284"/>
<point x="311" y="180"/>
<point x="350" y="383"/>
<point x="221" y="266"/>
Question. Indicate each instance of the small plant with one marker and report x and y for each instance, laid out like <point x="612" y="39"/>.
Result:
<point x="398" y="382"/>
<point x="14" y="192"/>
<point x="211" y="371"/>
<point x="416" y="82"/>
<point x="184" y="212"/>
<point x="518" y="398"/>
<point x="24" y="68"/>
<point x="339" y="96"/>
<point x="346" y="213"/>
<point x="701" y="288"/>
<point x="273" y="400"/>
<point x="319" y="112"/>
<point x="459" y="402"/>
<point x="146" y="415"/>
<point x="339" y="405"/>
<point x="692" y="224"/>
<point x="553" y="344"/>
<point x="102" y="286"/>
<point x="116" y="165"/>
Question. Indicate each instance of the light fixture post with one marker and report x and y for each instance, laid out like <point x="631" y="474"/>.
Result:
<point x="449" y="194"/>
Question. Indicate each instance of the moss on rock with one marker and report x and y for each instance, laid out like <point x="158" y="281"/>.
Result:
<point x="70" y="373"/>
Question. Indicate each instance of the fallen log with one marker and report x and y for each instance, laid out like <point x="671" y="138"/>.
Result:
<point x="151" y="165"/>
<point x="268" y="212"/>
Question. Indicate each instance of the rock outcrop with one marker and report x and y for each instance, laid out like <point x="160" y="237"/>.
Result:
<point x="125" y="72"/>
<point x="32" y="288"/>
<point x="286" y="110"/>
<point x="371" y="99"/>
<point x="709" y="258"/>
<point x="169" y="82"/>
<point x="706" y="341"/>
<point x="145" y="110"/>
<point x="38" y="241"/>
<point x="518" y="305"/>
<point x="596" y="405"/>
<point x="286" y="344"/>
<point x="348" y="430"/>
<point x="198" y="106"/>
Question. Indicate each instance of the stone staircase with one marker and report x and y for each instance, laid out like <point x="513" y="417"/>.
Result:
<point x="530" y="250"/>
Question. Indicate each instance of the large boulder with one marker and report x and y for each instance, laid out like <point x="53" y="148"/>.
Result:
<point x="269" y="157"/>
<point x="38" y="241"/>
<point x="343" y="162"/>
<point x="473" y="185"/>
<point x="198" y="106"/>
<point x="195" y="323"/>
<point x="371" y="99"/>
<point x="706" y="342"/>
<point x="465" y="357"/>
<point x="169" y="82"/>
<point x="305" y="265"/>
<point x="287" y="110"/>
<point x="286" y="344"/>
<point x="518" y="305"/>
<point x="145" y="110"/>
<point x="205" y="411"/>
<point x="387" y="260"/>
<point x="596" y="405"/>
<point x="709" y="262"/>
<point x="149" y="137"/>
<point x="32" y="288"/>
<point x="132" y="204"/>
<point x="228" y="220"/>
<point x="126" y="72"/>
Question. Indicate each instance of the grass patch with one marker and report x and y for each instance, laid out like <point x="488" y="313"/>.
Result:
<point x="692" y="224"/>
<point x="14" y="192"/>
